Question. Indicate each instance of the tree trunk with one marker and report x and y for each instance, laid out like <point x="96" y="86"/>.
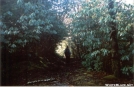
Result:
<point x="114" y="42"/>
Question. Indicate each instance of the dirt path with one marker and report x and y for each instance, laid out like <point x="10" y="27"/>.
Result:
<point x="73" y="75"/>
<point x="56" y="78"/>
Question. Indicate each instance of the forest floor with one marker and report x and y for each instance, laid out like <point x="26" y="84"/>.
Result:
<point x="73" y="75"/>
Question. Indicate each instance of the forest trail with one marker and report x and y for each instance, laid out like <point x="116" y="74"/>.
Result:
<point x="73" y="75"/>
<point x="59" y="77"/>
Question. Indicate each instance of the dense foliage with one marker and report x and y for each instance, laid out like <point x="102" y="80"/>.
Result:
<point x="30" y="31"/>
<point x="91" y="33"/>
<point x="27" y="21"/>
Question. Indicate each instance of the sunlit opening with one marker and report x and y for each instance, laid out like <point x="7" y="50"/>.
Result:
<point x="62" y="46"/>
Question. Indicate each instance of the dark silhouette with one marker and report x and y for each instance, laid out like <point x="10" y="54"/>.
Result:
<point x="67" y="54"/>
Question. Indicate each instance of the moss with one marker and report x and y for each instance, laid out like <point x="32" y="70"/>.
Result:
<point x="88" y="83"/>
<point x="109" y="77"/>
<point x="89" y="75"/>
<point x="78" y="78"/>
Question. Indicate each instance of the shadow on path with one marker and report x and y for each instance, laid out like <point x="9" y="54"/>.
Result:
<point x="72" y="75"/>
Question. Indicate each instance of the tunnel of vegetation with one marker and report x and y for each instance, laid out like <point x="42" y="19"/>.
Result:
<point x="100" y="31"/>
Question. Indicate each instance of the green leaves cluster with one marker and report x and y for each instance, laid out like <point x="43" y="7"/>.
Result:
<point x="29" y="30"/>
<point x="90" y="28"/>
<point x="26" y="21"/>
<point x="29" y="33"/>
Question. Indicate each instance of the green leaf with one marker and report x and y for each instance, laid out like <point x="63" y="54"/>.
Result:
<point x="126" y="57"/>
<point x="13" y="46"/>
<point x="132" y="51"/>
<point x="19" y="2"/>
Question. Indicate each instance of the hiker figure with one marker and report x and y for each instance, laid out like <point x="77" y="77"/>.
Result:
<point x="67" y="54"/>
